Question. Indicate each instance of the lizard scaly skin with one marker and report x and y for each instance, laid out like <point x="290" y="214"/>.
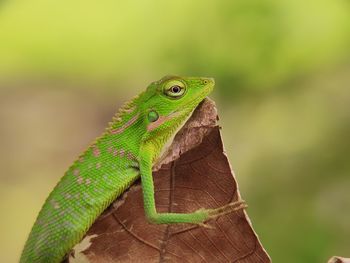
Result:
<point x="126" y="151"/>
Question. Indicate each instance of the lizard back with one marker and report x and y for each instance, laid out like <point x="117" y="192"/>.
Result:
<point x="101" y="174"/>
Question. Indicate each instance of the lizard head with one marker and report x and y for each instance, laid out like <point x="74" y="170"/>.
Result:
<point x="169" y="102"/>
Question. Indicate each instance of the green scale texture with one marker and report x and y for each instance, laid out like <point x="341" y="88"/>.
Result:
<point x="127" y="150"/>
<point x="100" y="175"/>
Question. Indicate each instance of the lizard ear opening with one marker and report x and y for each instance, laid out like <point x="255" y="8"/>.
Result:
<point x="153" y="116"/>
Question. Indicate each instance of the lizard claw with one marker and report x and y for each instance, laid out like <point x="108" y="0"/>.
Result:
<point x="206" y="225"/>
<point x="226" y="209"/>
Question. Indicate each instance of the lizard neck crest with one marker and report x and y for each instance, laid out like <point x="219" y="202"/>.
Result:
<point x="125" y="116"/>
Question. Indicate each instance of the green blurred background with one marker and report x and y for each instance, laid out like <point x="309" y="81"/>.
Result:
<point x="282" y="69"/>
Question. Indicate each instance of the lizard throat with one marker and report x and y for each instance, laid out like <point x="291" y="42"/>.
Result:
<point x="167" y="146"/>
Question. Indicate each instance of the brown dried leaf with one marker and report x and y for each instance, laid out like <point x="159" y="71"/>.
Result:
<point x="194" y="174"/>
<point x="339" y="260"/>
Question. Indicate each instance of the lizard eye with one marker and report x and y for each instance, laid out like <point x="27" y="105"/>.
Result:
<point x="175" y="89"/>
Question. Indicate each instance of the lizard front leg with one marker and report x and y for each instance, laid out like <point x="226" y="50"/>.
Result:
<point x="197" y="217"/>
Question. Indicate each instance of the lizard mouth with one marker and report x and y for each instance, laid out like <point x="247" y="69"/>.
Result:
<point x="197" y="101"/>
<point x="183" y="113"/>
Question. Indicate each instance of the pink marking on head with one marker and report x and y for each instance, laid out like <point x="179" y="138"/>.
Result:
<point x="131" y="156"/>
<point x="87" y="181"/>
<point x="162" y="120"/>
<point x="122" y="152"/>
<point x="76" y="172"/>
<point x="96" y="151"/>
<point x="156" y="124"/>
<point x="126" y="125"/>
<point x="115" y="152"/>
<point x="98" y="165"/>
<point x="80" y="180"/>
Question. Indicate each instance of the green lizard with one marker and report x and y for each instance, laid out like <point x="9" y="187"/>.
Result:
<point x="126" y="151"/>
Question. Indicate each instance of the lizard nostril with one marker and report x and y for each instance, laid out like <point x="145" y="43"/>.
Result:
<point x="207" y="81"/>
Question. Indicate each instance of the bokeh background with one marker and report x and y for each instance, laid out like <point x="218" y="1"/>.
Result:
<point x="282" y="69"/>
